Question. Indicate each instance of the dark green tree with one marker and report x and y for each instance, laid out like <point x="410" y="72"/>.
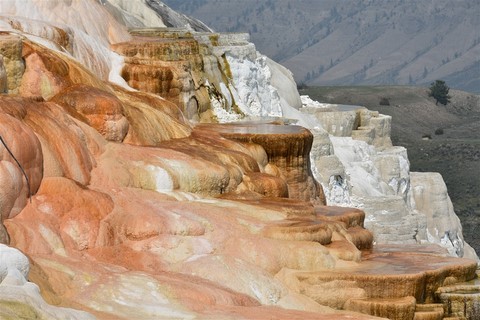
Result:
<point x="439" y="91"/>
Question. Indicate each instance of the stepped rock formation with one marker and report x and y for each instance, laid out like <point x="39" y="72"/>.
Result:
<point x="357" y="165"/>
<point x="126" y="195"/>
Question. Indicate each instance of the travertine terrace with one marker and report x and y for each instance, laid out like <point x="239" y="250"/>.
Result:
<point x="140" y="204"/>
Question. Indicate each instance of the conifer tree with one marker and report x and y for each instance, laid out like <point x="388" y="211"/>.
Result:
<point x="439" y="91"/>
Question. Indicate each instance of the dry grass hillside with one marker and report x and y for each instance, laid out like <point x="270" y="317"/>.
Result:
<point x="454" y="131"/>
<point x="349" y="42"/>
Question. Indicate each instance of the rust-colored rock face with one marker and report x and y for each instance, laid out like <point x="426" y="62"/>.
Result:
<point x="287" y="147"/>
<point x="131" y="212"/>
<point x="166" y="67"/>
<point x="99" y="109"/>
<point x="72" y="218"/>
<point x="20" y="159"/>
<point x="45" y="74"/>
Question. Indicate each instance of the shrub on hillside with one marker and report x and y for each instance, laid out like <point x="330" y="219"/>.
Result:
<point x="302" y="86"/>
<point x="384" y="101"/>
<point x="439" y="91"/>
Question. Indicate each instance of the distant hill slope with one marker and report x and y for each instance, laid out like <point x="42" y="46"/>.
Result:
<point x="454" y="147"/>
<point x="349" y="42"/>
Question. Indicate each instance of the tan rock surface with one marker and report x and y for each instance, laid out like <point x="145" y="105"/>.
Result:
<point x="99" y="109"/>
<point x="3" y="77"/>
<point x="14" y="66"/>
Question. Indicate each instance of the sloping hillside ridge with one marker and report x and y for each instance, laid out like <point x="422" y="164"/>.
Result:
<point x="351" y="43"/>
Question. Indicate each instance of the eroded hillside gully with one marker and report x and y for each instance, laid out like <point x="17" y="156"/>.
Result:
<point x="209" y="192"/>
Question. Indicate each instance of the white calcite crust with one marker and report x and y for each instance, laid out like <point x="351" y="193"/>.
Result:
<point x="13" y="263"/>
<point x="430" y="197"/>
<point x="14" y="287"/>
<point x="355" y="162"/>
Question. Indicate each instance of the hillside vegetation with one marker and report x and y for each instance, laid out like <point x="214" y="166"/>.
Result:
<point x="438" y="138"/>
<point x="350" y="42"/>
